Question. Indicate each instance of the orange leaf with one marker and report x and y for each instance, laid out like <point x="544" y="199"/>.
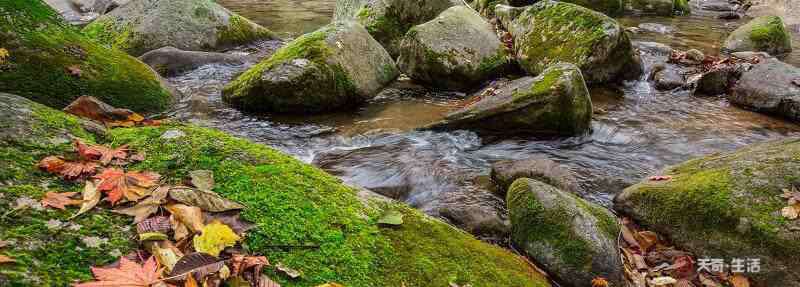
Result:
<point x="102" y="153"/>
<point x="737" y="280"/>
<point x="132" y="185"/>
<point x="646" y="239"/>
<point x="60" y="200"/>
<point x="6" y="259"/>
<point x="75" y="170"/>
<point x="52" y="164"/>
<point x="599" y="282"/>
<point x="128" y="274"/>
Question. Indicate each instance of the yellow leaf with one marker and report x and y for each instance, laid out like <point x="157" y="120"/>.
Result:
<point x="214" y="238"/>
<point x="191" y="216"/>
<point x="3" y="55"/>
<point x="738" y="280"/>
<point x="91" y="196"/>
<point x="791" y="212"/>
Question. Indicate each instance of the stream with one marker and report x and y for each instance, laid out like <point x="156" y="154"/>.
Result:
<point x="636" y="129"/>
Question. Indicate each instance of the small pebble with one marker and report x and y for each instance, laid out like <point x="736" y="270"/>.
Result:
<point x="173" y="134"/>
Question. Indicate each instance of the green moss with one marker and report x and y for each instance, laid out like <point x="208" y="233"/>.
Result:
<point x="242" y="31"/>
<point x="682" y="7"/>
<point x="768" y="33"/>
<point x="536" y="224"/>
<point x="45" y="47"/>
<point x="495" y="63"/>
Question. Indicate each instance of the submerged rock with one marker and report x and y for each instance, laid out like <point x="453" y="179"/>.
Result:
<point x="51" y="63"/>
<point x="574" y="240"/>
<point x="194" y="25"/>
<point x="549" y="32"/>
<point x="728" y="206"/>
<point x="336" y="67"/>
<point x="556" y="102"/>
<point x="766" y="33"/>
<point x="769" y="87"/>
<point x="505" y="172"/>
<point x="389" y="20"/>
<point x="717" y="81"/>
<point x="658" y="7"/>
<point x="457" y="50"/>
<point x="171" y="61"/>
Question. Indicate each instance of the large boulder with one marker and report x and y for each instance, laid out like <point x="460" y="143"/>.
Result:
<point x="557" y="102"/>
<point x="769" y="87"/>
<point x="728" y="205"/>
<point x="608" y="7"/>
<point x="98" y="6"/>
<point x="549" y="32"/>
<point x="389" y="20"/>
<point x="457" y="50"/>
<point x="766" y="34"/>
<point x="171" y="61"/>
<point x="337" y="66"/>
<point x="574" y="240"/>
<point x="505" y="172"/>
<point x="658" y="7"/>
<point x="196" y="25"/>
<point x="51" y="63"/>
<point x="289" y="201"/>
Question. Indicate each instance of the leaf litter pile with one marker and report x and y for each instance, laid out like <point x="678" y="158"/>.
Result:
<point x="188" y="235"/>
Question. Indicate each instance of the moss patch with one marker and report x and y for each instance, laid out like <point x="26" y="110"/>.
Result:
<point x="769" y="32"/>
<point x="42" y="47"/>
<point x="241" y="31"/>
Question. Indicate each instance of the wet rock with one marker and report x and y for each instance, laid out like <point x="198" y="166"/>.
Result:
<point x="768" y="88"/>
<point x="717" y="5"/>
<point x="193" y="25"/>
<point x="654" y="48"/>
<point x="71" y="13"/>
<point x="574" y="240"/>
<point x="172" y="61"/>
<point x="98" y="6"/>
<point x="457" y="50"/>
<point x="694" y="57"/>
<point x="667" y="77"/>
<point x="338" y="66"/>
<point x="556" y="102"/>
<point x="595" y="42"/>
<point x="766" y="34"/>
<point x="389" y="20"/>
<point x="727" y="206"/>
<point x="656" y="28"/>
<point x="657" y="7"/>
<point x="69" y="65"/>
<point x="730" y="16"/>
<point x="717" y="81"/>
<point x="505" y="172"/>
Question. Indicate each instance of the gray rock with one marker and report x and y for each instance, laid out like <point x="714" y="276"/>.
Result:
<point x="574" y="240"/>
<point x="171" y="61"/>
<point x="765" y="34"/>
<point x="768" y="88"/>
<point x="338" y="66"/>
<point x="23" y="122"/>
<point x="650" y="7"/>
<point x="173" y="134"/>
<point x="193" y="25"/>
<point x="98" y="6"/>
<point x="71" y="13"/>
<point x="556" y="102"/>
<point x="457" y="50"/>
<point x="654" y="48"/>
<point x="505" y="172"/>
<point x="667" y="78"/>
<point x="727" y="205"/>
<point x="717" y="81"/>
<point x="389" y="20"/>
<point x="549" y="32"/>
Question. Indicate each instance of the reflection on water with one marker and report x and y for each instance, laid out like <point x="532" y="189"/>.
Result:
<point x="287" y="17"/>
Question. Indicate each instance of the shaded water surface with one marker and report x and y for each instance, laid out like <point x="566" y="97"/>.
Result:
<point x="635" y="132"/>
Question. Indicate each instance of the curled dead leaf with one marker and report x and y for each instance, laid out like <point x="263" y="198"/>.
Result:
<point x="91" y="196"/>
<point x="60" y="200"/>
<point x="599" y="282"/>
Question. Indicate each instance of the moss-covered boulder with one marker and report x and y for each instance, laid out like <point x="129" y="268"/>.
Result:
<point x="728" y="206"/>
<point x="49" y="249"/>
<point x="486" y="7"/>
<point x="389" y="20"/>
<point x="557" y="102"/>
<point x="290" y="202"/>
<point x="765" y="34"/>
<point x="608" y="7"/>
<point x="335" y="67"/>
<point x="574" y="240"/>
<point x="457" y="50"/>
<point x="549" y="32"/>
<point x="658" y="7"/>
<point x="768" y="87"/>
<point x="51" y="63"/>
<point x="195" y="25"/>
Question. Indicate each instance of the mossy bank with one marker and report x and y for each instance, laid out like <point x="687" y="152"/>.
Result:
<point x="290" y="202"/>
<point x="53" y="64"/>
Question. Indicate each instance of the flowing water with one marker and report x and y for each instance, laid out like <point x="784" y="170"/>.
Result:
<point x="636" y="130"/>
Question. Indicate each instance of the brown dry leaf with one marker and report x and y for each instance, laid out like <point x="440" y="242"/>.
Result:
<point x="628" y="236"/>
<point x="265" y="281"/>
<point x="639" y="262"/>
<point x="79" y="169"/>
<point x="91" y="196"/>
<point x="148" y="206"/>
<point x="158" y="224"/>
<point x="599" y="282"/>
<point x="205" y="200"/>
<point x="646" y="239"/>
<point x="94" y="109"/>
<point x="190" y="216"/>
<point x="74" y="70"/>
<point x="738" y="280"/>
<point x="128" y="274"/>
<point x="791" y="212"/>
<point x="707" y="282"/>
<point x="131" y="185"/>
<point x="60" y="200"/>
<point x="6" y="259"/>
<point x="181" y="231"/>
<point x="106" y="154"/>
<point x="232" y="219"/>
<point x="684" y="283"/>
<point x="197" y="264"/>
<point x="241" y="262"/>
<point x="52" y="164"/>
<point x="165" y="253"/>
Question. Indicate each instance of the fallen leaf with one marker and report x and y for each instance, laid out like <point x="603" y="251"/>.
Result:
<point x="3" y="55"/>
<point x="663" y="281"/>
<point x="158" y="224"/>
<point x="181" y="231"/>
<point x="147" y="207"/>
<point x="628" y="236"/>
<point x="131" y="185"/>
<point x="128" y="274"/>
<point x="707" y="282"/>
<point x="205" y="200"/>
<point x="599" y="282"/>
<point x="152" y="236"/>
<point x="190" y="216"/>
<point x="288" y="271"/>
<point x="6" y="259"/>
<point x="60" y="200"/>
<point x="91" y="196"/>
<point x="74" y="70"/>
<point x="646" y="239"/>
<point x="265" y="281"/>
<point x="660" y="178"/>
<point x="52" y="164"/>
<point x="238" y="281"/>
<point x="165" y="253"/>
<point x="231" y="219"/>
<point x="196" y="264"/>
<point x="202" y="179"/>
<point x="106" y="154"/>
<point x="190" y="282"/>
<point x="683" y="267"/>
<point x="791" y="212"/>
<point x="79" y="169"/>
<point x="214" y="238"/>
<point x="241" y="262"/>
<point x="684" y="283"/>
<point x="738" y="280"/>
<point x="391" y="217"/>
<point x="94" y="109"/>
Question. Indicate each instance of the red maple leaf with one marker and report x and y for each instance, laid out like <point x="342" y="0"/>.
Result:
<point x="132" y="185"/>
<point x="102" y="153"/>
<point x="128" y="274"/>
